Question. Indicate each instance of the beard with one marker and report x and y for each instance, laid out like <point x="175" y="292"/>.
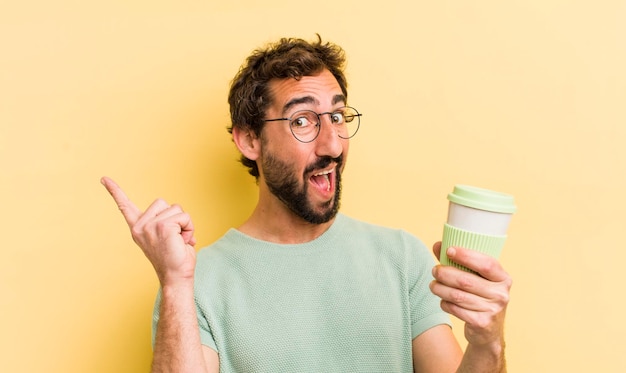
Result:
<point x="283" y="183"/>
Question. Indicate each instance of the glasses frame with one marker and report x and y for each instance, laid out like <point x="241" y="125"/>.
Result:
<point x="357" y="116"/>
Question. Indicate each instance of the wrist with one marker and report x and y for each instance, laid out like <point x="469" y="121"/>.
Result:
<point x="176" y="287"/>
<point x="495" y="348"/>
<point x="175" y="279"/>
<point x="487" y="357"/>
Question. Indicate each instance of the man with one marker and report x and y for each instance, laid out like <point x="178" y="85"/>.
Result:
<point x="299" y="287"/>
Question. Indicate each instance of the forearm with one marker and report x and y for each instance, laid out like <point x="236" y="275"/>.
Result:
<point x="177" y="346"/>
<point x="485" y="359"/>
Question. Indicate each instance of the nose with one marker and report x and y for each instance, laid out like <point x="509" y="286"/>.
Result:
<point x="328" y="141"/>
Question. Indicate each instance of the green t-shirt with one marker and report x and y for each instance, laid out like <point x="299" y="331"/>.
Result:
<point x="351" y="300"/>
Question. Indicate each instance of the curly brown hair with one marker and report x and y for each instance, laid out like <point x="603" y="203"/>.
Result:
<point x="249" y="94"/>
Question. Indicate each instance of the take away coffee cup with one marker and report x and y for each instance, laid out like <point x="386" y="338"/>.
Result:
<point x="478" y="219"/>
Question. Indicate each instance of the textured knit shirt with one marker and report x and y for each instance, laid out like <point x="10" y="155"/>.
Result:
<point x="351" y="300"/>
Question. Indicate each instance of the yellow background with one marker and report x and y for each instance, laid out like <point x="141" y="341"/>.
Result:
<point x="525" y="97"/>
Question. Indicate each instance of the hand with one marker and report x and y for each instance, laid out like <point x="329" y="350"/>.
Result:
<point x="480" y="300"/>
<point x="164" y="232"/>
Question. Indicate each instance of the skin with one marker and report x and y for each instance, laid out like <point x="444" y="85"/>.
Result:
<point x="165" y="234"/>
<point x="272" y="220"/>
<point x="478" y="300"/>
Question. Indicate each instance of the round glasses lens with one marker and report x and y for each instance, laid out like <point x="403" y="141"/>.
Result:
<point x="304" y="125"/>
<point x="351" y="122"/>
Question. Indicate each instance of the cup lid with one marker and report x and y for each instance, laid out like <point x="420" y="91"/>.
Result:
<point x="482" y="199"/>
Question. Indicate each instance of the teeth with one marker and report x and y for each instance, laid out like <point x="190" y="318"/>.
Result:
<point x="324" y="172"/>
<point x="327" y="183"/>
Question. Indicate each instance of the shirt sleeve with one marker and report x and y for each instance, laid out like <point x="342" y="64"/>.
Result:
<point x="206" y="337"/>
<point x="426" y="311"/>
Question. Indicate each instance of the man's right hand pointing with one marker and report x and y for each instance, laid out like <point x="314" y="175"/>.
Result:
<point x="164" y="232"/>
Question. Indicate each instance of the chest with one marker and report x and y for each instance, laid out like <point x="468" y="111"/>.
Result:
<point x="313" y="312"/>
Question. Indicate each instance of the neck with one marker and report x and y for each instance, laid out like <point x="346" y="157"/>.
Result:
<point x="274" y="222"/>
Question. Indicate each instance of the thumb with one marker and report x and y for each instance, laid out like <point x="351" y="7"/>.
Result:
<point x="437" y="249"/>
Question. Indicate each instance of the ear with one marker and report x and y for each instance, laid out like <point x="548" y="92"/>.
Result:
<point x="247" y="142"/>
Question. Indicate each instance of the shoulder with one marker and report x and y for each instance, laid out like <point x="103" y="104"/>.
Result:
<point x="395" y="244"/>
<point x="361" y="230"/>
<point x="231" y="242"/>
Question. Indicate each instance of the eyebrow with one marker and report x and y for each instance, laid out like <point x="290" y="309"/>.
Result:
<point x="310" y="100"/>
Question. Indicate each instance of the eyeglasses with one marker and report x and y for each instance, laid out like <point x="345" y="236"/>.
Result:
<point x="305" y="124"/>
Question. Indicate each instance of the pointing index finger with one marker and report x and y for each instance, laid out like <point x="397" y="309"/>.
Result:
<point x="127" y="207"/>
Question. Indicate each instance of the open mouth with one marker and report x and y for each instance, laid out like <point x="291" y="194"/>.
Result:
<point x="324" y="180"/>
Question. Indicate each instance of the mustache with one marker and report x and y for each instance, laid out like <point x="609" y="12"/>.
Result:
<point x="323" y="162"/>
